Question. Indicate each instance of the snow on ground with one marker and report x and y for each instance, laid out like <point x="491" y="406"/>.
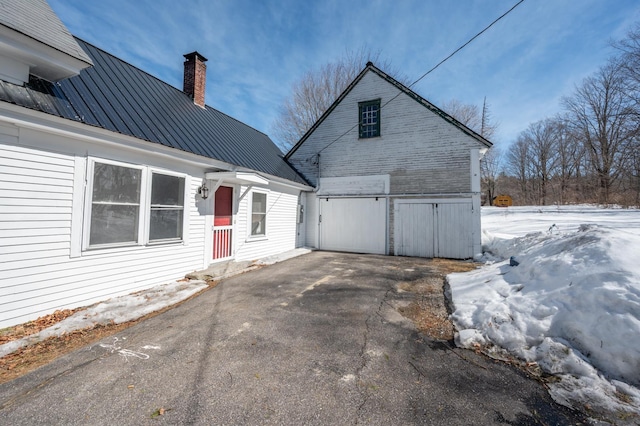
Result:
<point x="116" y="310"/>
<point x="130" y="307"/>
<point x="571" y="305"/>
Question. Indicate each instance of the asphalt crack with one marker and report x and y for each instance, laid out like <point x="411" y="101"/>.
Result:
<point x="364" y="357"/>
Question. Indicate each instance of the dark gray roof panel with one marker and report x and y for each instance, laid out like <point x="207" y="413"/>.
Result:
<point x="119" y="97"/>
<point x="36" y="19"/>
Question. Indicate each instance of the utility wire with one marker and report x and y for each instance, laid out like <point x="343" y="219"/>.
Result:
<point x="433" y="69"/>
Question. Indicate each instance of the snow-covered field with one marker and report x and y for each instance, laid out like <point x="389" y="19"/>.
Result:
<point x="571" y="306"/>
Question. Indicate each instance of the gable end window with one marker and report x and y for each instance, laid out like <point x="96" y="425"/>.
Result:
<point x="133" y="205"/>
<point x="369" y="119"/>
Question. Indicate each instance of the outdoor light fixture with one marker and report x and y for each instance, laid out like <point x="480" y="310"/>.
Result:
<point x="203" y="191"/>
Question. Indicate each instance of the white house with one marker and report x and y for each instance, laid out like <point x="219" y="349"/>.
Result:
<point x="393" y="174"/>
<point x="112" y="181"/>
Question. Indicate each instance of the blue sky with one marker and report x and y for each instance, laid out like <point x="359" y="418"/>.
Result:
<point x="258" y="48"/>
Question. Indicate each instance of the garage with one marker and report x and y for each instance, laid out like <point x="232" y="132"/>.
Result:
<point x="433" y="228"/>
<point x="356" y="225"/>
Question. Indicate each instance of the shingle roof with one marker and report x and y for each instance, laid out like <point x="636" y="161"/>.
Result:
<point x="431" y="107"/>
<point x="119" y="97"/>
<point x="36" y="19"/>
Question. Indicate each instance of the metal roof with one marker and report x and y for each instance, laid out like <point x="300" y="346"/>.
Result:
<point x="117" y="96"/>
<point x="36" y="19"/>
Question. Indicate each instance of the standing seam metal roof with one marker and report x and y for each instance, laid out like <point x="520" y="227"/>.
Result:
<point x="117" y="96"/>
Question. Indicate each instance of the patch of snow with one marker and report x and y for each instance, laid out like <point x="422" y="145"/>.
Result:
<point x="116" y="310"/>
<point x="130" y="307"/>
<point x="572" y="305"/>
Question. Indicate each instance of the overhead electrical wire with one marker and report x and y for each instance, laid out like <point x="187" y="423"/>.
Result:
<point x="433" y="68"/>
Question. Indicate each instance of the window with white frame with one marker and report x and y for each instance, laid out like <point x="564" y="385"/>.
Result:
<point x="133" y="205"/>
<point x="166" y="217"/>
<point x="258" y="214"/>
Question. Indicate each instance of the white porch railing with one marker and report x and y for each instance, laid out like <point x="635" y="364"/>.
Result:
<point x="222" y="242"/>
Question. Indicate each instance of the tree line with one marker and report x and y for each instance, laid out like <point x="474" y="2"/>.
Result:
<point x="588" y="153"/>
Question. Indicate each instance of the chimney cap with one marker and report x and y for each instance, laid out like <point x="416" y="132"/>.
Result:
<point x="195" y="54"/>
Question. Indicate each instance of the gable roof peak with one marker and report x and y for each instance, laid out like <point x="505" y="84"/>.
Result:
<point x="403" y="89"/>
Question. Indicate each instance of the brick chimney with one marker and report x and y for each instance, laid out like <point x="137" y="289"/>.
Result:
<point x="195" y="76"/>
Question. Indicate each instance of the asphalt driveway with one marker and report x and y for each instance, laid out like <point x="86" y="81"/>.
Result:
<point x="312" y="340"/>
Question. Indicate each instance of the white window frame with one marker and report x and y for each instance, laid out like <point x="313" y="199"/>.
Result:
<point x="144" y="214"/>
<point x="151" y="171"/>
<point x="258" y="237"/>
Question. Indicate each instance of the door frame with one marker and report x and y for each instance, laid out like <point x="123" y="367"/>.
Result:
<point x="232" y="228"/>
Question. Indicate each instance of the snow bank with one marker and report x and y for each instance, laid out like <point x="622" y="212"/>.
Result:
<point x="572" y="305"/>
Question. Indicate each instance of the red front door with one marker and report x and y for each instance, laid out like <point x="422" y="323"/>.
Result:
<point x="223" y="223"/>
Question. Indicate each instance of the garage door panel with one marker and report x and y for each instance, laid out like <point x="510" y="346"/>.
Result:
<point x="426" y="228"/>
<point x="414" y="234"/>
<point x="353" y="224"/>
<point x="454" y="230"/>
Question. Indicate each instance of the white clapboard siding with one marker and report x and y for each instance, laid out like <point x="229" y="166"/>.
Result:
<point x="282" y="205"/>
<point x="420" y="151"/>
<point x="423" y="155"/>
<point x="37" y="273"/>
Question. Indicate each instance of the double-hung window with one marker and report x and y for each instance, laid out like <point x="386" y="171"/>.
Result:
<point x="167" y="208"/>
<point x="133" y="205"/>
<point x="369" y="121"/>
<point x="258" y="214"/>
<point x="115" y="204"/>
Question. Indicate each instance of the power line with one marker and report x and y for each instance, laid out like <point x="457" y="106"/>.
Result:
<point x="468" y="42"/>
<point x="434" y="68"/>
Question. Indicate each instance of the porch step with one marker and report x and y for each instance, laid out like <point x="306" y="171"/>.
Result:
<point x="222" y="270"/>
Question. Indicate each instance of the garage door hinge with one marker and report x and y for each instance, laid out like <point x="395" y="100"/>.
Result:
<point x="320" y="218"/>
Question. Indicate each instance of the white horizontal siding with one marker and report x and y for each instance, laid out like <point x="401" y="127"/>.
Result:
<point x="420" y="151"/>
<point x="282" y="206"/>
<point x="37" y="274"/>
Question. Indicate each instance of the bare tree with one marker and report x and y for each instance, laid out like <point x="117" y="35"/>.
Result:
<point x="603" y="116"/>
<point x="629" y="63"/>
<point x="542" y="158"/>
<point x="569" y="157"/>
<point x="490" y="168"/>
<point x="518" y="166"/>
<point x="317" y="89"/>
<point x="480" y="121"/>
<point x="467" y="114"/>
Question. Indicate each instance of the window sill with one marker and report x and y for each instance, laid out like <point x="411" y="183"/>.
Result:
<point x="96" y="251"/>
<point x="256" y="238"/>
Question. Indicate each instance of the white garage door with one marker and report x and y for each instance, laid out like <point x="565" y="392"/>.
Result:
<point x="425" y="228"/>
<point x="353" y="224"/>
